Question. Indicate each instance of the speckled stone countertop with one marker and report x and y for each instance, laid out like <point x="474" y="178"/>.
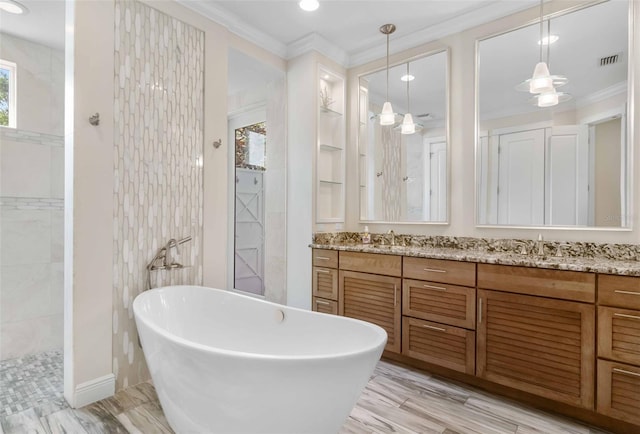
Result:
<point x="620" y="259"/>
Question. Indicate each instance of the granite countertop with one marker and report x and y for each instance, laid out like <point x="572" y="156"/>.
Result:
<point x="572" y="263"/>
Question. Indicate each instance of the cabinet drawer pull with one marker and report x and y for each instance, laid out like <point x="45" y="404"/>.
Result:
<point x="440" y="329"/>
<point x="625" y="372"/>
<point x="395" y="294"/>
<point x="437" y="288"/>
<point x="326" y="303"/>
<point x="433" y="270"/>
<point x="620" y="291"/>
<point x="323" y="258"/>
<point x="624" y="315"/>
<point x="324" y="271"/>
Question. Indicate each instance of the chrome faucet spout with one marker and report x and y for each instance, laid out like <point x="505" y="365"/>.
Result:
<point x="393" y="237"/>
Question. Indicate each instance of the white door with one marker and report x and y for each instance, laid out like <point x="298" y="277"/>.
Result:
<point x="567" y="176"/>
<point x="521" y="178"/>
<point x="436" y="188"/>
<point x="249" y="240"/>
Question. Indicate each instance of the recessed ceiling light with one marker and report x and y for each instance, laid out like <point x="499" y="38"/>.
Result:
<point x="407" y="77"/>
<point x="13" y="7"/>
<point x="547" y="40"/>
<point x="309" y="5"/>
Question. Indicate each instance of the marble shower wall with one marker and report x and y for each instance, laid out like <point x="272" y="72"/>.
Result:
<point x="158" y="184"/>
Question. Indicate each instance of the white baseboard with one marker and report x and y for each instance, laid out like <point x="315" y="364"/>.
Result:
<point x="94" y="390"/>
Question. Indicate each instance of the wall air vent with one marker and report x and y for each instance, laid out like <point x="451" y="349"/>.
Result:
<point x="610" y="60"/>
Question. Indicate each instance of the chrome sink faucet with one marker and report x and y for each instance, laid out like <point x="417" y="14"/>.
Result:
<point x="540" y="245"/>
<point x="393" y="237"/>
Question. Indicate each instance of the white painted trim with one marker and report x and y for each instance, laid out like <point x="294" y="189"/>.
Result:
<point x="472" y="18"/>
<point x="236" y="25"/>
<point x="314" y="41"/>
<point x="94" y="390"/>
<point x="602" y="94"/>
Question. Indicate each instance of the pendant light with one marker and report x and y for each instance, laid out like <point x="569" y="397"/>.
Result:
<point x="550" y="97"/>
<point x="542" y="81"/>
<point x="387" y="117"/>
<point x="408" y="127"/>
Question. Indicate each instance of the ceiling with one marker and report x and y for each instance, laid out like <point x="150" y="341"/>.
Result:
<point x="43" y="24"/>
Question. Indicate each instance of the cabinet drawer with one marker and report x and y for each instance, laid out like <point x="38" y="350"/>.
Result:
<point x="568" y="285"/>
<point x="325" y="258"/>
<point x="621" y="291"/>
<point x="451" y="347"/>
<point x="439" y="270"/>
<point x="448" y="304"/>
<point x="388" y="265"/>
<point x="619" y="334"/>
<point x="619" y="391"/>
<point x="325" y="283"/>
<point x="325" y="306"/>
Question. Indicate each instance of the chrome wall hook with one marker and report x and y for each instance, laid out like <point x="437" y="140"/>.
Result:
<point x="217" y="143"/>
<point x="95" y="119"/>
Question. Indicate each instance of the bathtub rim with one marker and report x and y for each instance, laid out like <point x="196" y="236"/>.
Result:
<point x="381" y="340"/>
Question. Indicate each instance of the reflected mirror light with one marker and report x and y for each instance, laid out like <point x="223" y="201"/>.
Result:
<point x="557" y="158"/>
<point x="403" y="166"/>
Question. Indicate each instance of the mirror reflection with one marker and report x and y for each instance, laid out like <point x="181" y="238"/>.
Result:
<point x="567" y="164"/>
<point x="403" y="175"/>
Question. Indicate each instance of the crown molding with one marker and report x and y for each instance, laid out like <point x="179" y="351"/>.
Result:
<point x="600" y="95"/>
<point x="236" y="25"/>
<point x="494" y="10"/>
<point x="314" y="41"/>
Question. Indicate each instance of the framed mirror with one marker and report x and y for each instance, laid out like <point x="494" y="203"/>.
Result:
<point x="567" y="164"/>
<point x="404" y="176"/>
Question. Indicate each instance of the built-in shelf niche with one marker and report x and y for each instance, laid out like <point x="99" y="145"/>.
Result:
<point x="330" y="154"/>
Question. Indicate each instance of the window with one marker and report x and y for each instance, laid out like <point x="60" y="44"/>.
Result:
<point x="7" y="94"/>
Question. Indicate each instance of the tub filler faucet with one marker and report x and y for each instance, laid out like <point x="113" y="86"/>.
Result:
<point x="162" y="260"/>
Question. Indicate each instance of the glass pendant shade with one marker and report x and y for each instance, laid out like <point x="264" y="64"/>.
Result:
<point x="408" y="127"/>
<point x="548" y="99"/>
<point x="387" y="117"/>
<point x="309" y="5"/>
<point x="541" y="82"/>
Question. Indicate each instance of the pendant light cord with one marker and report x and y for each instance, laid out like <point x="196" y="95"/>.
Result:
<point x="408" y="102"/>
<point x="387" y="67"/>
<point x="541" y="29"/>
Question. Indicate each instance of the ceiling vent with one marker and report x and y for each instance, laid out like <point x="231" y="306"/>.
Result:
<point x="610" y="60"/>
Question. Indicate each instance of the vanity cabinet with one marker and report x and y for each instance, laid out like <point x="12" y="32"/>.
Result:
<point x="540" y="345"/>
<point x="619" y="347"/>
<point x="438" y="313"/>
<point x="375" y="298"/>
<point x="325" y="281"/>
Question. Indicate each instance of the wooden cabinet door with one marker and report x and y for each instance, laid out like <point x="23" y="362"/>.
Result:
<point x="324" y="306"/>
<point x="619" y="334"/>
<point x="451" y="347"/>
<point x="325" y="283"/>
<point x="619" y="391"/>
<point x="539" y="345"/>
<point x="375" y="299"/>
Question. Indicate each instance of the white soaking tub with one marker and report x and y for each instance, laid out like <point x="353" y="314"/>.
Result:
<point x="223" y="362"/>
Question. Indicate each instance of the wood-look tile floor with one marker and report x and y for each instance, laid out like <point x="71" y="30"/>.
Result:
<point x="397" y="399"/>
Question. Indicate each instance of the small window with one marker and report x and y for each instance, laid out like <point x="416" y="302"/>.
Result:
<point x="7" y="94"/>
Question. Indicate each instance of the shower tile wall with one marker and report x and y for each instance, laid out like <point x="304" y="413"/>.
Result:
<point x="158" y="190"/>
<point x="31" y="203"/>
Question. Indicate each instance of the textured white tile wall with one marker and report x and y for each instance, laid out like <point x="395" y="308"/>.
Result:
<point x="158" y="191"/>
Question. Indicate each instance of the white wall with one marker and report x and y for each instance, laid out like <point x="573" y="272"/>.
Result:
<point x="31" y="203"/>
<point x="462" y="144"/>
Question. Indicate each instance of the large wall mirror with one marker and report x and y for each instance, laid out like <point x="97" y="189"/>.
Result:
<point x="539" y="164"/>
<point x="404" y="177"/>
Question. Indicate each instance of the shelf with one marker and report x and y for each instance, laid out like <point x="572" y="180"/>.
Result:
<point x="332" y="113"/>
<point x="325" y="147"/>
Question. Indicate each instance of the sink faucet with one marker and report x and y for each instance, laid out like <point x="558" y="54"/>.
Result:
<point x="523" y="246"/>
<point x="393" y="237"/>
<point x="540" y="245"/>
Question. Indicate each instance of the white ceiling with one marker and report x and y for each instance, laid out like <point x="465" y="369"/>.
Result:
<point x="43" y="24"/>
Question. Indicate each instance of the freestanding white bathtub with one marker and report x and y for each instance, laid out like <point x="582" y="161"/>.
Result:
<point x="223" y="362"/>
